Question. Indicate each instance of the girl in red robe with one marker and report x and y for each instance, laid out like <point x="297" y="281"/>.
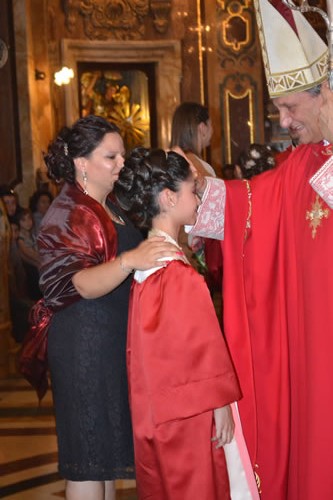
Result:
<point x="181" y="378"/>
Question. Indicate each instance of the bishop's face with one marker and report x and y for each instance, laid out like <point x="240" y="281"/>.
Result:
<point x="299" y="113"/>
<point x="326" y="113"/>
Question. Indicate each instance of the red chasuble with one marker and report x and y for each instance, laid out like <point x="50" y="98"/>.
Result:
<point x="278" y="299"/>
<point x="283" y="155"/>
<point x="179" y="370"/>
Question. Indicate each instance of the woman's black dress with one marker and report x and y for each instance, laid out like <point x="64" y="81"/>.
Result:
<point x="87" y="359"/>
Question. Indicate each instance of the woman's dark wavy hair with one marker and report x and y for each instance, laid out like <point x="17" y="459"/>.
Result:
<point x="144" y="175"/>
<point x="73" y="142"/>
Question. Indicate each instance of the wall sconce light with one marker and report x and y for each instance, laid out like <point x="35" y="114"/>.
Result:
<point x="39" y="75"/>
<point x="64" y="76"/>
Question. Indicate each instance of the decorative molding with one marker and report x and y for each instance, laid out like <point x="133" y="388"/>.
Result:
<point x="161" y="12"/>
<point x="235" y="32"/>
<point x="238" y="90"/>
<point x="118" y="19"/>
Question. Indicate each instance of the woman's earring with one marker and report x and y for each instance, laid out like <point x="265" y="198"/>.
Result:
<point x="85" y="181"/>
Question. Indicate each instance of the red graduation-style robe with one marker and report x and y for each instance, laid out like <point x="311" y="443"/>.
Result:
<point x="278" y="313"/>
<point x="179" y="370"/>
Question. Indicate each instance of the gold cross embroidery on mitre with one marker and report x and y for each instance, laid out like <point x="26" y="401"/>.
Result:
<point x="316" y="214"/>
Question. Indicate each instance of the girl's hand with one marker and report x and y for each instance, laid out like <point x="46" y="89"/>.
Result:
<point x="147" y="254"/>
<point x="225" y="426"/>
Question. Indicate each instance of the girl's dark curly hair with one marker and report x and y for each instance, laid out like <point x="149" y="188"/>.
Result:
<point x="144" y="175"/>
<point x="73" y="142"/>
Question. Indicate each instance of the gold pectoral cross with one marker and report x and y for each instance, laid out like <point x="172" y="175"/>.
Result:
<point x="316" y="214"/>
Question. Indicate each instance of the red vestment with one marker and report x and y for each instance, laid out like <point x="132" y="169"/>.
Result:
<point x="278" y="316"/>
<point x="283" y="155"/>
<point x="179" y="370"/>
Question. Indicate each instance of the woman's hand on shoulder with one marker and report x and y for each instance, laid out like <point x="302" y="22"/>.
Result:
<point x="147" y="254"/>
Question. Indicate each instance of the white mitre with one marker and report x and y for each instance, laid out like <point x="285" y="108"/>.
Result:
<point x="292" y="62"/>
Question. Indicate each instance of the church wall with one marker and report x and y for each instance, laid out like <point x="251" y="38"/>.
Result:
<point x="214" y="69"/>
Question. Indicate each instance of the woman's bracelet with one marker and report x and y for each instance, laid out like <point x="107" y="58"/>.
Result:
<point x="127" y="270"/>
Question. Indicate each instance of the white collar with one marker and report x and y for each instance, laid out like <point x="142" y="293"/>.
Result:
<point x="141" y="276"/>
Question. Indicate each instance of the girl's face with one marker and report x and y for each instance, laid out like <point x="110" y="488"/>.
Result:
<point x="26" y="222"/>
<point x="187" y="202"/>
<point x="43" y="204"/>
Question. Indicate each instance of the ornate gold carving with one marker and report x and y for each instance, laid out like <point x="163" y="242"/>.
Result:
<point x="120" y="19"/>
<point x="236" y="27"/>
<point x="161" y="12"/>
<point x="70" y="7"/>
<point x="235" y="31"/>
<point x="316" y="214"/>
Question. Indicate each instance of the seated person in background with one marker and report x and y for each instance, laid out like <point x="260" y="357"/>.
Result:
<point x="27" y="245"/>
<point x="39" y="203"/>
<point x="256" y="159"/>
<point x="20" y="303"/>
<point x="181" y="378"/>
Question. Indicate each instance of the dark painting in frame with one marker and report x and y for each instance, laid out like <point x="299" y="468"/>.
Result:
<point x="124" y="94"/>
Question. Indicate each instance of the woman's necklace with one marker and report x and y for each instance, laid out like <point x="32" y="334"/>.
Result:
<point x="114" y="217"/>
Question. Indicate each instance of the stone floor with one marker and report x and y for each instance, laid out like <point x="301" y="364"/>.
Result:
<point x="28" y="449"/>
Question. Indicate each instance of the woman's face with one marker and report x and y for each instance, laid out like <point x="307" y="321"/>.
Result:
<point x="26" y="222"/>
<point x="103" y="165"/>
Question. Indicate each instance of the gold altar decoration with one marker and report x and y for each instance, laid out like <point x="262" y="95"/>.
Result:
<point x="104" y="93"/>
